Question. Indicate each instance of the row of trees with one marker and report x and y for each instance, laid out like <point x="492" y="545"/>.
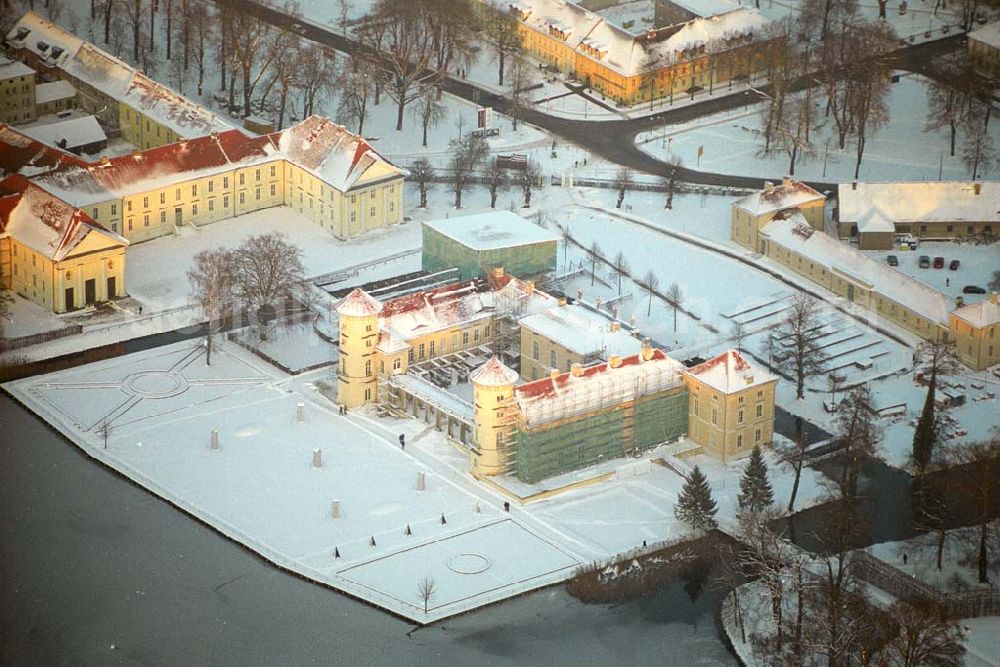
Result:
<point x="469" y="159"/>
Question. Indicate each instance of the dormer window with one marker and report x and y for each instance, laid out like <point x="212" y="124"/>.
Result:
<point x="42" y="46"/>
<point x="56" y="51"/>
<point x="22" y="33"/>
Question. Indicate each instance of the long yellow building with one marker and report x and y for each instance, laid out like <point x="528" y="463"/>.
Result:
<point x="630" y="68"/>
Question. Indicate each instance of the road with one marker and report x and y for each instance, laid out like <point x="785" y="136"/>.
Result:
<point x="614" y="140"/>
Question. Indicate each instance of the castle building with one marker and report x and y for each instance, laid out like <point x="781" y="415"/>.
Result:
<point x="17" y="92"/>
<point x="403" y="354"/>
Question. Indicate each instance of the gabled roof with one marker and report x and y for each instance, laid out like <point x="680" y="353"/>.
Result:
<point x="729" y="373"/>
<point x="76" y="132"/>
<point x="20" y="154"/>
<point x="787" y="194"/>
<point x="47" y="225"/>
<point x="582" y="331"/>
<point x="11" y="69"/>
<point x="55" y="90"/>
<point x="171" y="110"/>
<point x="359" y="304"/>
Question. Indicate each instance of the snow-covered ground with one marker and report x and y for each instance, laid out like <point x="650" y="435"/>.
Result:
<point x="901" y="150"/>
<point x="976" y="265"/>
<point x="260" y="487"/>
<point x="958" y="562"/>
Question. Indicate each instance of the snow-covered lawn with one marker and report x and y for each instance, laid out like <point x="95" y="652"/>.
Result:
<point x="958" y="562"/>
<point x="902" y="150"/>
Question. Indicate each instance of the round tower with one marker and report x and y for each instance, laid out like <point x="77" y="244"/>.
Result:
<point x="492" y="389"/>
<point x="356" y="382"/>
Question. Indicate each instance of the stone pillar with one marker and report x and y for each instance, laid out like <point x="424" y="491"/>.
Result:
<point x="335" y="509"/>
<point x="215" y="439"/>
<point x="421" y="481"/>
<point x="300" y="412"/>
<point x="317" y="458"/>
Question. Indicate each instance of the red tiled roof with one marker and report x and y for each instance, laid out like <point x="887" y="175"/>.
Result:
<point x="546" y="387"/>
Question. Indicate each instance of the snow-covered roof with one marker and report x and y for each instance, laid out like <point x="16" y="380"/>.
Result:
<point x="332" y="152"/>
<point x="47" y="225"/>
<point x="730" y="372"/>
<point x="874" y="221"/>
<point x="75" y="132"/>
<point x="787" y="194"/>
<point x="706" y="7"/>
<point x="20" y="154"/>
<point x="175" y="112"/>
<point x="441" y="308"/>
<point x="921" y="201"/>
<point x="491" y="230"/>
<point x="43" y="38"/>
<point x="12" y="69"/>
<point x="100" y="70"/>
<point x="988" y="34"/>
<point x="794" y="233"/>
<point x="359" y="304"/>
<point x="493" y="374"/>
<point x="126" y="175"/>
<point x="981" y="314"/>
<point x="582" y="331"/>
<point x="627" y="53"/>
<point x="598" y="386"/>
<point x="56" y="90"/>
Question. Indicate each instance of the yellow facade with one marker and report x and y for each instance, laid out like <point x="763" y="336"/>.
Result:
<point x="977" y="344"/>
<point x="492" y="394"/>
<point x="356" y="381"/>
<point x="17" y="98"/>
<point x="729" y="425"/>
<point x="540" y="355"/>
<point x="746" y="224"/>
<point x="141" y="131"/>
<point x="92" y="272"/>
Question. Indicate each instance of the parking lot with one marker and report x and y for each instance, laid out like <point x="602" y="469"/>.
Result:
<point x="976" y="265"/>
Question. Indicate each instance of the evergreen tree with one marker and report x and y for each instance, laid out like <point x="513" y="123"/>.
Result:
<point x="936" y="359"/>
<point x="756" y="493"/>
<point x="924" y="434"/>
<point x="695" y="505"/>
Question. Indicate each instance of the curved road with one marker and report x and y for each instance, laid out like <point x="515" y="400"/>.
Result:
<point x="614" y="140"/>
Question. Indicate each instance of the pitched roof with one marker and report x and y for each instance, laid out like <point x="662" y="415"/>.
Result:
<point x="982" y="313"/>
<point x="987" y="34"/>
<point x="730" y="372"/>
<point x="20" y="154"/>
<point x="55" y="90"/>
<point x="795" y="234"/>
<point x="787" y="194"/>
<point x="47" y="225"/>
<point x="76" y="132"/>
<point x="920" y="201"/>
<point x="11" y="69"/>
<point x="582" y="331"/>
<point x="171" y="110"/>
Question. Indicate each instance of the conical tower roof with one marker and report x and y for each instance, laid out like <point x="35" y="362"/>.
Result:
<point x="359" y="304"/>
<point x="493" y="374"/>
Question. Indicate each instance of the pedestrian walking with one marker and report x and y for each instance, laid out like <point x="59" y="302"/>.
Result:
<point x="140" y="310"/>
<point x="506" y="506"/>
<point x="402" y="441"/>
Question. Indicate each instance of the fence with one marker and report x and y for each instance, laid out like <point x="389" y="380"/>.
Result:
<point x="880" y="574"/>
<point x="644" y="186"/>
<point x="16" y="343"/>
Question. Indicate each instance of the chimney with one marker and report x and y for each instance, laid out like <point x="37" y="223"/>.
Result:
<point x="614" y="326"/>
<point x="614" y="361"/>
<point x="554" y="373"/>
<point x="647" y="350"/>
<point x="215" y="134"/>
<point x="786" y="181"/>
<point x="960" y="301"/>
<point x="994" y="298"/>
<point x="768" y="187"/>
<point x="576" y="370"/>
<point x="854" y="185"/>
<point x="978" y="187"/>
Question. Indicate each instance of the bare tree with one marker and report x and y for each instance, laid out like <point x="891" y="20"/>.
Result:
<point x="595" y="253"/>
<point x="201" y="26"/>
<point x="621" y="268"/>
<point x="737" y="332"/>
<point x="527" y="178"/>
<point x="869" y="77"/>
<point x="521" y="77"/>
<point x="994" y="283"/>
<point x="921" y="634"/>
<point x="947" y="106"/>
<point x="268" y="268"/>
<point x="799" y="353"/>
<point x="496" y="179"/>
<point x="794" y="455"/>
<point x="978" y="151"/>
<point x="104" y="430"/>
<point x="213" y="280"/>
<point x="425" y="590"/>
<point x="422" y="173"/>
<point x="623" y="179"/>
<point x="316" y="78"/>
<point x="467" y="154"/>
<point x="107" y="11"/>
<point x="675" y="298"/>
<point x="133" y="13"/>
<point x="357" y="86"/>
<point x="793" y="133"/>
<point x="650" y="282"/>
<point x="256" y="46"/>
<point x="502" y="32"/>
<point x="430" y="110"/>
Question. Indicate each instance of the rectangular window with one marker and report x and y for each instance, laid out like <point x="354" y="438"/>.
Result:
<point x="739" y="441"/>
<point x="177" y="194"/>
<point x="760" y="410"/>
<point x="225" y="182"/>
<point x="242" y="198"/>
<point x="163" y="197"/>
<point x="211" y="204"/>
<point x="211" y="186"/>
<point x="715" y="415"/>
<point x="114" y="209"/>
<point x="257" y="193"/>
<point x="432" y="348"/>
<point x="475" y="335"/>
<point x="739" y="417"/>
<point x="225" y="201"/>
<point x="274" y="189"/>
<point x="94" y="214"/>
<point x="145" y="219"/>
<point x="258" y="174"/>
<point x="552" y="359"/>
<point x="272" y="171"/>
<point x="194" y="190"/>
<point x="372" y="214"/>
<point x="163" y="217"/>
<point x="194" y="209"/>
<point x="145" y="202"/>
<point x="421" y="352"/>
<point x="465" y="338"/>
<point x="241" y="178"/>
<point x="756" y="436"/>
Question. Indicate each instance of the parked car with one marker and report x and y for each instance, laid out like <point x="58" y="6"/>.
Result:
<point x="892" y="260"/>
<point x="973" y="289"/>
<point x="925" y="262"/>
<point x="954" y="265"/>
<point x="939" y="262"/>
